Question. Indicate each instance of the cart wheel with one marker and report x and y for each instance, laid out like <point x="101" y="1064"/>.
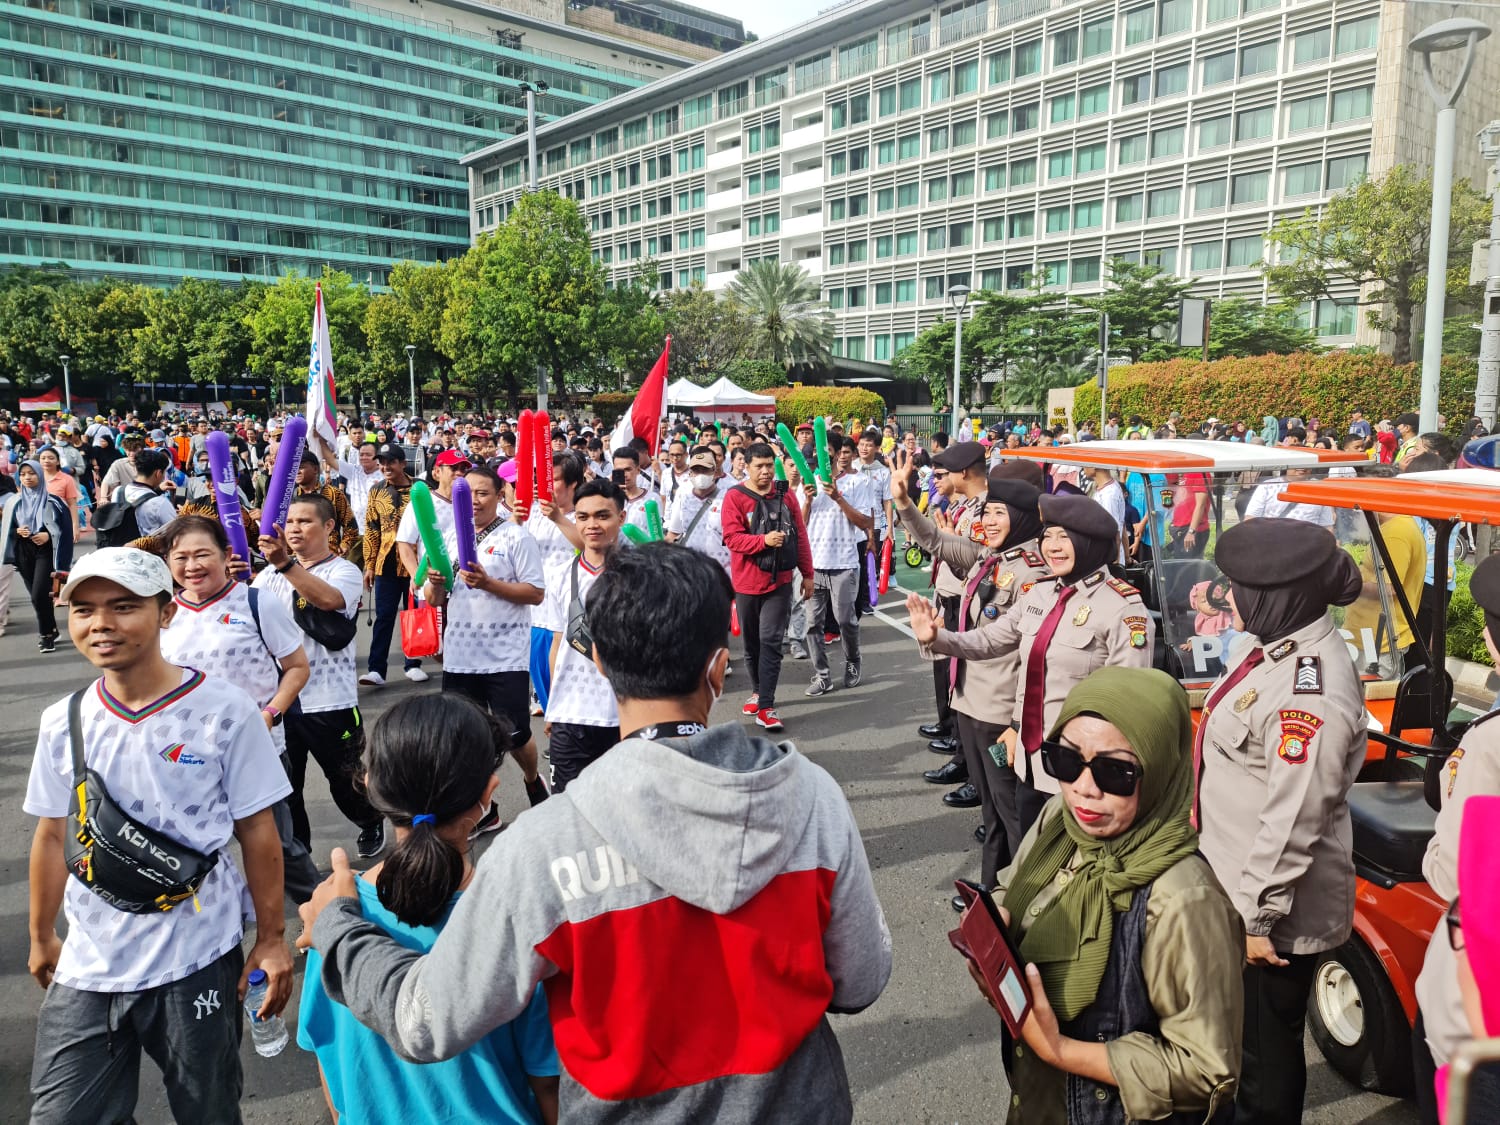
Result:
<point x="913" y="556"/>
<point x="1357" y="1021"/>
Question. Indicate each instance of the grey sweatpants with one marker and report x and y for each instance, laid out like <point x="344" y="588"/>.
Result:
<point x="835" y="587"/>
<point x="87" y="1067"/>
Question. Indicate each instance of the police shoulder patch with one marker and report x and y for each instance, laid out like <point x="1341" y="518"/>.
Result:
<point x="1297" y="730"/>
<point x="1309" y="678"/>
<point x="1013" y="553"/>
<point x="1093" y="579"/>
<point x="1124" y="589"/>
<point x="1035" y="560"/>
<point x="1283" y="650"/>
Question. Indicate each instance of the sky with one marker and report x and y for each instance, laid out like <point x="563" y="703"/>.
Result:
<point x="765" y="17"/>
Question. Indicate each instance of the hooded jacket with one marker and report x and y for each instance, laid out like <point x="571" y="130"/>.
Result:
<point x="693" y="907"/>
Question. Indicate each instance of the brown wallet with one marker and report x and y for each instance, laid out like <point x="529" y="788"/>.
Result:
<point x="982" y="939"/>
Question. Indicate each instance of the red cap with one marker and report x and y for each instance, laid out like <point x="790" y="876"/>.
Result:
<point x="454" y="457"/>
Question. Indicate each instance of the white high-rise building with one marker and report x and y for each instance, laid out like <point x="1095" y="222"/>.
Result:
<point x="894" y="149"/>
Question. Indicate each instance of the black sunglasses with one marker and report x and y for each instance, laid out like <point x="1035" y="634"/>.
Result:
<point x="1112" y="775"/>
<point x="1455" y="927"/>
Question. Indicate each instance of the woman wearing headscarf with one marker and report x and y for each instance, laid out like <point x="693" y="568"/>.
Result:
<point x="1061" y="628"/>
<point x="995" y="570"/>
<point x="1131" y="945"/>
<point x="1281" y="740"/>
<point x="36" y="537"/>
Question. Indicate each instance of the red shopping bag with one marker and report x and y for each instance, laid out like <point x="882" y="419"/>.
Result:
<point x="420" y="635"/>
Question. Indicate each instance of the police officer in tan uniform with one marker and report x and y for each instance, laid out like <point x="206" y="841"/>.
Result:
<point x="984" y="691"/>
<point x="1472" y="770"/>
<point x="1281" y="740"/>
<point x="1061" y="628"/>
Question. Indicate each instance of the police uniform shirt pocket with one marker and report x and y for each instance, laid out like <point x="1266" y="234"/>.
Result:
<point x="1229" y="734"/>
<point x="1032" y="616"/>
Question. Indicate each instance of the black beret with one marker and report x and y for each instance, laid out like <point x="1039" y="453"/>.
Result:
<point x="1270" y="552"/>
<point x="1080" y="514"/>
<point x="1484" y="585"/>
<point x="1017" y="493"/>
<point x="959" y="456"/>
<point x="1020" y="468"/>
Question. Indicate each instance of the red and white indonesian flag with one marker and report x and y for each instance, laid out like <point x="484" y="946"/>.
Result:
<point x="322" y="422"/>
<point x="643" y="419"/>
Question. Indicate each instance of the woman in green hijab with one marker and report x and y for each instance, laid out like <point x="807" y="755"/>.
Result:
<point x="1133" y="950"/>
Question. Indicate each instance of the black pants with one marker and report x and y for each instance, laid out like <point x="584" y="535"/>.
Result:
<point x="572" y="747"/>
<point x="1484" y="1088"/>
<point x="763" y="619"/>
<point x="35" y="565"/>
<point x="948" y="607"/>
<point x="335" y="740"/>
<point x="1273" y="1073"/>
<point x="505" y="695"/>
<point x="390" y="599"/>
<point x="1029" y="799"/>
<point x="997" y="794"/>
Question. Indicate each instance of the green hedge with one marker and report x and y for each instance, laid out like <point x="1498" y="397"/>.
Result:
<point x="1324" y="386"/>
<point x="800" y="403"/>
<point x="1466" y="621"/>
<point x="611" y="405"/>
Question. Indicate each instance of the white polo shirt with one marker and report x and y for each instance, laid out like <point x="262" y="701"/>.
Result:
<point x="580" y="694"/>
<point x="557" y="555"/>
<point x="708" y="534"/>
<point x="486" y="633"/>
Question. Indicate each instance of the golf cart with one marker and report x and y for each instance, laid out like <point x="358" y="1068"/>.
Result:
<point x="1364" y="1001"/>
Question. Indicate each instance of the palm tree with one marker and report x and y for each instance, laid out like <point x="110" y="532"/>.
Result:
<point x="792" y="324"/>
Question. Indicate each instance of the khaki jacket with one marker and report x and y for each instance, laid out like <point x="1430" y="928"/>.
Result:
<point x="1471" y="770"/>
<point x="1104" y="623"/>
<point x="1191" y="958"/>
<point x="985" y="689"/>
<point x="1278" y="757"/>
<point x="964" y="511"/>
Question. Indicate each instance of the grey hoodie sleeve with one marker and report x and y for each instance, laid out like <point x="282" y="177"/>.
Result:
<point x="857" y="944"/>
<point x="479" y="974"/>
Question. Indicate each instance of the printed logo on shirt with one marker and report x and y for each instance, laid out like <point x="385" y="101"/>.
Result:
<point x="231" y="619"/>
<point x="178" y="754"/>
<point x="588" y="873"/>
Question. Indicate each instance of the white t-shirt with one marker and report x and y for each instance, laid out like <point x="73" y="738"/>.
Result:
<point x="833" y="539"/>
<point x="1266" y="501"/>
<point x="557" y="556"/>
<point x="635" y="510"/>
<point x="406" y="529"/>
<point x="484" y="632"/>
<point x="219" y="637"/>
<point x="357" y="485"/>
<point x="580" y="694"/>
<point x="189" y="766"/>
<point x="880" y="480"/>
<point x="331" y="678"/>
<point x="708" y="535"/>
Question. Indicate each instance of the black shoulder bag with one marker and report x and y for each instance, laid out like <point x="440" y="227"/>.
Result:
<point x="134" y="868"/>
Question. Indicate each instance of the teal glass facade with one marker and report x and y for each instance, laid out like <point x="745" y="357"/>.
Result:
<point x="152" y="139"/>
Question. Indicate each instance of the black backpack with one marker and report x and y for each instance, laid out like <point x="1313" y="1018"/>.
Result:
<point x="115" y="523"/>
<point x="770" y="514"/>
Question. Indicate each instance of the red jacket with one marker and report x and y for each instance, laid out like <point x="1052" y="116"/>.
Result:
<point x="746" y="577"/>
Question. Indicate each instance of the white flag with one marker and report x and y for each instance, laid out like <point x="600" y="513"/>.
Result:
<point x="322" y="396"/>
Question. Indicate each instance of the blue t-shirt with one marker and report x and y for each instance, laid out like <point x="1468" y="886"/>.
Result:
<point x="1429" y="533"/>
<point x="369" y="1083"/>
<point x="1135" y="489"/>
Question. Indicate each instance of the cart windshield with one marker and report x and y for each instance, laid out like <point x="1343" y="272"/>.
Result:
<point x="1184" y="515"/>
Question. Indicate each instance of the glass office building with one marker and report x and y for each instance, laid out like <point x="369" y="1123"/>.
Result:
<point x="152" y="139"/>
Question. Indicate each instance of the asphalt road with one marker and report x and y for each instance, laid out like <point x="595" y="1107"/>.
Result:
<point x="927" y="1051"/>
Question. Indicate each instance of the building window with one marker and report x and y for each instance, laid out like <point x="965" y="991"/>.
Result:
<point x="965" y="133"/>
<point x="835" y="254"/>
<point x="1254" y="124"/>
<point x="1176" y="15"/>
<point x="885" y="152"/>
<point x="856" y="295"/>
<point x="994" y="230"/>
<point x="1065" y="47"/>
<point x="1021" y="225"/>
<point x="994" y="178"/>
<point x="937" y="139"/>
<point x="1206" y="256"/>
<point x="1345" y="171"/>
<point x="1090" y="158"/>
<point x="999" y="67"/>
<point x="1028" y="58"/>
<point x="1058" y="218"/>
<point x="858" y="251"/>
<point x="908" y="195"/>
<point x="1135" y="89"/>
<point x="1140" y="25"/>
<point x="854" y="347"/>
<point x="1337" y="318"/>
<point x="1088" y="216"/>
<point x="1172" y="80"/>
<point x="882" y="346"/>
<point x="1055" y="273"/>
<point x="1129" y="208"/>
<point x="911" y="94"/>
<point x="937" y="238"/>
<point x="835" y="210"/>
<point x="1164" y="203"/>
<point x="909" y="147"/>
<point x="1218" y="69"/>
<point x="996" y="125"/>
<point x="1061" y="109"/>
<point x="966" y="77"/>
<point x="1060" y="165"/>
<point x="1085" y="271"/>
<point x="1260" y="59"/>
<point x="906" y="292"/>
<point x="937" y="190"/>
<point x="1098" y="37"/>
<point x="960" y="235"/>
<point x="937" y="87"/>
<point x="1357" y="35"/>
<point x="1210" y="195"/>
<point x="1244" y="251"/>
<point x="1247" y="188"/>
<point x="1023" y="172"/>
<point x="1164" y="259"/>
<point x="1302" y="179"/>
<point x="906" y="244"/>
<point x="1352" y="105"/>
<point x="884" y="247"/>
<point x="1167" y="142"/>
<point x="859" y="158"/>
<point x="885" y="200"/>
<point x="1093" y="99"/>
<point x="1130" y="150"/>
<point x="1214" y="132"/>
<point x="886" y="100"/>
<point x="1310" y="47"/>
<point x="1307" y="113"/>
<point x="1025" y="117"/>
<point x="963" y="185"/>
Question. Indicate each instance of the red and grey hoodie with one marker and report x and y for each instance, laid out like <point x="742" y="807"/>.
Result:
<point x="694" y="907"/>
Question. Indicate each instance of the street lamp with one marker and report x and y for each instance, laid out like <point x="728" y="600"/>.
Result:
<point x="1441" y="37"/>
<point x="958" y="297"/>
<point x="67" y="385"/>
<point x="411" y="373"/>
<point x="531" y="93"/>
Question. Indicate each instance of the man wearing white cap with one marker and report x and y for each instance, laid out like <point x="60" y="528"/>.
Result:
<point x="165" y="979"/>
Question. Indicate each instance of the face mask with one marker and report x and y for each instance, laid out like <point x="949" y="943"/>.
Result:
<point x="715" y="695"/>
<point x="702" y="481"/>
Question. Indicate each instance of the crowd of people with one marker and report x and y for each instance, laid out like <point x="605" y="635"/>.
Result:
<point x="1171" y="890"/>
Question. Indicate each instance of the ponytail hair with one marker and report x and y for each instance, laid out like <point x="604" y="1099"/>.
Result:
<point x="427" y="762"/>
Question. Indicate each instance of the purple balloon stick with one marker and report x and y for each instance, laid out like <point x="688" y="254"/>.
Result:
<point x="284" y="474"/>
<point x="227" y="493"/>
<point x="463" y="523"/>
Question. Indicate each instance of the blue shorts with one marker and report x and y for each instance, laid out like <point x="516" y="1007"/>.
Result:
<point x="541" y="664"/>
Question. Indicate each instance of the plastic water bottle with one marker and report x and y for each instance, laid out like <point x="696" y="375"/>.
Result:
<point x="269" y="1034"/>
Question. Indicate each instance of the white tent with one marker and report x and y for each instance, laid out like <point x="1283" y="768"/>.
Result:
<point x="724" y="397"/>
<point x="684" y="393"/>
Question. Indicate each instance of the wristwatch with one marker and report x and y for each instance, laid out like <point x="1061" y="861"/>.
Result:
<point x="274" y="712"/>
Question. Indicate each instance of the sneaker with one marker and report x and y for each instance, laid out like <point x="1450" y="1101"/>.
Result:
<point x="829" y="638"/>
<point x="371" y="841"/>
<point x="797" y="652"/>
<point x="851" y="675"/>
<point x="752" y="705"/>
<point x="489" y="822"/>
<point x="821" y="685"/>
<point x="47" y="643"/>
<point x="372" y="679"/>
<point x="768" y="718"/>
<point x="729" y="669"/>
<point x="536" y="791"/>
<point x="417" y="676"/>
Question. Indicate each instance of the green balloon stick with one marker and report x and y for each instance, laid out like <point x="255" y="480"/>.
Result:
<point x="653" y="520"/>
<point x="780" y="470"/>
<point x="635" y="535"/>
<point x="427" y="527"/>
<point x="820" y="443"/>
<point x="794" y="451"/>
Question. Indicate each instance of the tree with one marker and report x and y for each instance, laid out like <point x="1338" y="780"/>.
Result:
<point x="95" y="323"/>
<point x="538" y="297"/>
<point x="631" y="329"/>
<point x="281" y="329"/>
<point x="182" y="332"/>
<point x="1375" y="237"/>
<point x="28" y="341"/>
<point x="1240" y="327"/>
<point x="411" y="312"/>
<point x="1142" y="304"/>
<point x="791" y="324"/>
<point x="709" y="334"/>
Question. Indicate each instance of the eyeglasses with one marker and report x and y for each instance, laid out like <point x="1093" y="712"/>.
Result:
<point x="1112" y="775"/>
<point x="939" y="474"/>
<point x="1455" y="927"/>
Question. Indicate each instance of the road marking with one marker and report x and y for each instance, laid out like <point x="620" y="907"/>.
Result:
<point x="899" y="626"/>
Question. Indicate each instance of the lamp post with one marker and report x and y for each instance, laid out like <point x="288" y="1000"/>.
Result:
<point x="531" y="93"/>
<point x="67" y="384"/>
<point x="411" y="374"/>
<point x="1441" y="37"/>
<point x="958" y="297"/>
